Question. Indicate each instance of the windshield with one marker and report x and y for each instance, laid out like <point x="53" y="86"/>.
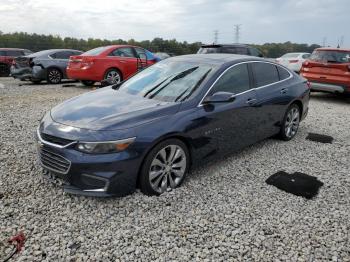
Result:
<point x="170" y="81"/>
<point x="208" y="50"/>
<point x="331" y="56"/>
<point x="291" y="55"/>
<point x="95" y="51"/>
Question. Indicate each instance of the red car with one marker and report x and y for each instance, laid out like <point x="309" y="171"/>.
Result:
<point x="113" y="63"/>
<point x="328" y="70"/>
<point x="7" y="56"/>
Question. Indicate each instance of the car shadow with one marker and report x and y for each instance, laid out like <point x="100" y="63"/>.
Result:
<point x="328" y="97"/>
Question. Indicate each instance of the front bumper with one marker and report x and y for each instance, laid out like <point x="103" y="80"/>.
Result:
<point x="28" y="73"/>
<point x="100" y="175"/>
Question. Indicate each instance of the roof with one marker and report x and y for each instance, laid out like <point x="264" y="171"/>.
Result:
<point x="332" y="49"/>
<point x="215" y="58"/>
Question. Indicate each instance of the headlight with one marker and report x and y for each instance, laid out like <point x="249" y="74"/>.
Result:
<point x="105" y="147"/>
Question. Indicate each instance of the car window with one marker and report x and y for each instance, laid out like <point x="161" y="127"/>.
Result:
<point x="95" y="51"/>
<point x="61" y="55"/>
<point x="123" y="52"/>
<point x="255" y="52"/>
<point x="75" y="53"/>
<point x="234" y="80"/>
<point x="14" y="53"/>
<point x="283" y="73"/>
<point x="2" y="53"/>
<point x="331" y="56"/>
<point x="27" y="52"/>
<point x="265" y="73"/>
<point x="208" y="50"/>
<point x="306" y="56"/>
<point x="234" y="50"/>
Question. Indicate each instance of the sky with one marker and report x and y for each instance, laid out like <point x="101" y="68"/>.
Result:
<point x="262" y="21"/>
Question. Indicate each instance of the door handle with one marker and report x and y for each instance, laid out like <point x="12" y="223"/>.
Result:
<point x="284" y="90"/>
<point x="251" y="101"/>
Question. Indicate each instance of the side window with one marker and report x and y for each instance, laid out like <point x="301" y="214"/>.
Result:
<point x="265" y="74"/>
<point x="75" y="53"/>
<point x="229" y="50"/>
<point x="123" y="52"/>
<point x="61" y="55"/>
<point x="242" y="50"/>
<point x="283" y="73"/>
<point x="255" y="52"/>
<point x="235" y="80"/>
<point x="14" y="53"/>
<point x="141" y="53"/>
<point x="2" y="53"/>
<point x="305" y="56"/>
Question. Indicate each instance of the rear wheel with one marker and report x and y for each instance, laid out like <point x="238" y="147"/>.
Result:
<point x="113" y="76"/>
<point x="54" y="76"/>
<point x="87" y="82"/>
<point x="4" y="70"/>
<point x="165" y="167"/>
<point x="290" y="123"/>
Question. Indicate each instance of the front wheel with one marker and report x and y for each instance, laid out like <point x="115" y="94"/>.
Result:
<point x="165" y="167"/>
<point x="54" y="76"/>
<point x="290" y="123"/>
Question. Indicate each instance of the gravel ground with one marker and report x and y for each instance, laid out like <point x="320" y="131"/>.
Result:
<point x="223" y="212"/>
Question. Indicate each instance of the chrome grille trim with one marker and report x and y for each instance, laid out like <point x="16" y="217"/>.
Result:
<point x="52" y="144"/>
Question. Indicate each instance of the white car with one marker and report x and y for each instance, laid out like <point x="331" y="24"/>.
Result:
<point x="293" y="61"/>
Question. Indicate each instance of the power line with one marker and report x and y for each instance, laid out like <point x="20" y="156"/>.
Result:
<point x="237" y="32"/>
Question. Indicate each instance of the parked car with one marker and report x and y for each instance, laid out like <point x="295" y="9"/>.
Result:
<point x="49" y="65"/>
<point x="293" y="61"/>
<point x="180" y="112"/>
<point x="162" y="55"/>
<point x="328" y="70"/>
<point x="6" y="58"/>
<point x="239" y="49"/>
<point x="113" y="63"/>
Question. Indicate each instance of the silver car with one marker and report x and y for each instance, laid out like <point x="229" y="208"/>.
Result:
<point x="49" y="65"/>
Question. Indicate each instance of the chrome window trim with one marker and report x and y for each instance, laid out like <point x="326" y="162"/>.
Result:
<point x="52" y="144"/>
<point x="255" y="88"/>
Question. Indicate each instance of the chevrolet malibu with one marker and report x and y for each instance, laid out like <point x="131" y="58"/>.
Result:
<point x="148" y="131"/>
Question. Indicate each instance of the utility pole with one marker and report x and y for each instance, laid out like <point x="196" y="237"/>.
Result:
<point x="237" y="32"/>
<point x="216" y="36"/>
<point x="324" y="41"/>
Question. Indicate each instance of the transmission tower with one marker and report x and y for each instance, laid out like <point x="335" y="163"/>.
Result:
<point x="324" y="41"/>
<point x="237" y="32"/>
<point x="216" y="36"/>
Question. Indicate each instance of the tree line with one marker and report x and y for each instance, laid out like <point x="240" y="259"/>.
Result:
<point x="37" y="42"/>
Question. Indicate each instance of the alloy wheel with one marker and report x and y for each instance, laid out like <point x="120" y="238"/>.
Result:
<point x="113" y="77"/>
<point x="54" y="76"/>
<point x="167" y="168"/>
<point x="292" y="122"/>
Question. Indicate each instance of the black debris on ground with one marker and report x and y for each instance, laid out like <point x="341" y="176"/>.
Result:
<point x="298" y="184"/>
<point x="320" y="138"/>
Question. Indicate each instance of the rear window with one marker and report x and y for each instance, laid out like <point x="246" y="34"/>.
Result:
<point x="265" y="74"/>
<point x="235" y="50"/>
<point x="291" y="55"/>
<point x="95" y="51"/>
<point x="14" y="53"/>
<point x="330" y="56"/>
<point x="283" y="73"/>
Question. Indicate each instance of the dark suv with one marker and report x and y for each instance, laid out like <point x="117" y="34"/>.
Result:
<point x="6" y="58"/>
<point x="239" y="49"/>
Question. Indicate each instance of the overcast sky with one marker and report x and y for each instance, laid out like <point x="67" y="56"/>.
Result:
<point x="301" y="21"/>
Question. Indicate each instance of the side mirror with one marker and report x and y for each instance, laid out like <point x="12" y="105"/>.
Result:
<point x="219" y="97"/>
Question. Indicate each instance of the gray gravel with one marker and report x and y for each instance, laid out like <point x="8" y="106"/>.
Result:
<point x="223" y="212"/>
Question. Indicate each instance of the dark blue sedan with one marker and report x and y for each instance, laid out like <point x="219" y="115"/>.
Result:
<point x="148" y="131"/>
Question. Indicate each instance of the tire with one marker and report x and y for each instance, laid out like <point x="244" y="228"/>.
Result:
<point x="113" y="76"/>
<point x="4" y="70"/>
<point x="168" y="173"/>
<point x="36" y="82"/>
<point x="54" y="76"/>
<point x="290" y="123"/>
<point x="87" y="82"/>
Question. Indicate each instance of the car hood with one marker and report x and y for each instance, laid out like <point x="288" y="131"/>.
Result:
<point x="110" y="109"/>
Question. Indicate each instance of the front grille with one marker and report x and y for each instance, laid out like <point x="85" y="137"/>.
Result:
<point x="55" y="140"/>
<point x="53" y="161"/>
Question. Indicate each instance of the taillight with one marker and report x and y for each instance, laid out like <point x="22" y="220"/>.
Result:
<point x="293" y="61"/>
<point x="86" y="64"/>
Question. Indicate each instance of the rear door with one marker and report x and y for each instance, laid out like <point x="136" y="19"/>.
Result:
<point x="124" y="58"/>
<point x="61" y="60"/>
<point x="273" y="95"/>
